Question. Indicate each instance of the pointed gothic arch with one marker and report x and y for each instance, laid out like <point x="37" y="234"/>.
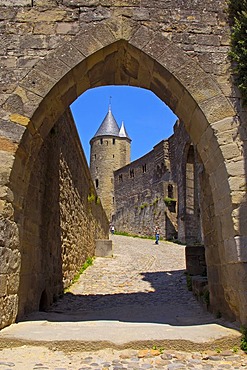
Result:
<point x="97" y="56"/>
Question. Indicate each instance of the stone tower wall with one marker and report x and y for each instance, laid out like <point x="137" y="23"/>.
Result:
<point x="107" y="154"/>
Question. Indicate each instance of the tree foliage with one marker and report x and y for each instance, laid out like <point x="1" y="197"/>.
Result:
<point x="238" y="19"/>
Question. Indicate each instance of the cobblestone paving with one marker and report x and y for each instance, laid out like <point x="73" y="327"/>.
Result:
<point x="33" y="358"/>
<point x="143" y="282"/>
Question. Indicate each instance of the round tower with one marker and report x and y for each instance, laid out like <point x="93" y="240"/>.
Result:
<point x="109" y="150"/>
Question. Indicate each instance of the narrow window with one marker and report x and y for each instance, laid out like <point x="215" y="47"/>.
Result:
<point x="132" y="174"/>
<point x="120" y="178"/>
<point x="101" y="141"/>
<point x="113" y="156"/>
<point x="94" y="156"/>
<point x="144" y="168"/>
<point x="113" y="141"/>
<point x="113" y="200"/>
<point x="170" y="191"/>
<point x="97" y="183"/>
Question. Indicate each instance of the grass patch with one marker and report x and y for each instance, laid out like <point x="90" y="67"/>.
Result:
<point x="86" y="264"/>
<point x="124" y="233"/>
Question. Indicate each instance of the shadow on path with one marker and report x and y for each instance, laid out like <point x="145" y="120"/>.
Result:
<point x="167" y="301"/>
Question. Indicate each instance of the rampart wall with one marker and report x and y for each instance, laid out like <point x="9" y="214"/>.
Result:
<point x="61" y="222"/>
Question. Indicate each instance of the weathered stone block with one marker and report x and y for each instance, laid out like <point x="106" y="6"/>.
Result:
<point x="38" y="82"/>
<point x="195" y="260"/>
<point x="66" y="28"/>
<point x="12" y="131"/>
<point x="236" y="168"/>
<point x="217" y="108"/>
<point x="86" y="43"/>
<point x="103" y="248"/>
<point x="16" y="2"/>
<point x="3" y="285"/>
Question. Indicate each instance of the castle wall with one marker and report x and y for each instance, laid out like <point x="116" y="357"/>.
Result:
<point x="141" y="189"/>
<point x="144" y="189"/>
<point x="62" y="219"/>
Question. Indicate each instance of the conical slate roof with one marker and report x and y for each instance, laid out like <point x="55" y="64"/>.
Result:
<point x="109" y="126"/>
<point x="123" y="132"/>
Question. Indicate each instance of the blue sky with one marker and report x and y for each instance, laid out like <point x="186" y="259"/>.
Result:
<point x="147" y="119"/>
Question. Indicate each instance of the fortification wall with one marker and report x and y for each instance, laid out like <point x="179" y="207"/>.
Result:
<point x="61" y="222"/>
<point x="140" y="191"/>
<point x="144" y="189"/>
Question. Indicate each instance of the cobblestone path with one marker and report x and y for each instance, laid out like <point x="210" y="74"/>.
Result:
<point x="142" y="283"/>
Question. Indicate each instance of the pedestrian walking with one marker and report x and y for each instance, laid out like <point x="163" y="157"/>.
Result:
<point x="157" y="235"/>
<point x="112" y="229"/>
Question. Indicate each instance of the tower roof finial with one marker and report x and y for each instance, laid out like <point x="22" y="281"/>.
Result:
<point x="110" y="98"/>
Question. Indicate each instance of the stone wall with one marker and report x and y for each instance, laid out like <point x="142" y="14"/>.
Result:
<point x="170" y="170"/>
<point x="185" y="168"/>
<point x="62" y="219"/>
<point x="141" y="189"/>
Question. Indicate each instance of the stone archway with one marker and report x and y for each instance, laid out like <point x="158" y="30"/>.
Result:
<point x="140" y="57"/>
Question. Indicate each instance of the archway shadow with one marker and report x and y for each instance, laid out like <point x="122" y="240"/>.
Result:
<point x="166" y="301"/>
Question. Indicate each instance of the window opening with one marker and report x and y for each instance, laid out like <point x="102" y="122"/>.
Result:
<point x="170" y="191"/>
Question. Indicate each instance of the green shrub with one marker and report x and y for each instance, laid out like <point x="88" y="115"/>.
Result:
<point x="144" y="205"/>
<point x="238" y="19"/>
<point x="206" y="297"/>
<point x="244" y="339"/>
<point x="189" y="282"/>
<point x="169" y="201"/>
<point x="91" y="198"/>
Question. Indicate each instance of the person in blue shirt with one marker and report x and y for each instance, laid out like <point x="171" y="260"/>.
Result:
<point x="157" y="235"/>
